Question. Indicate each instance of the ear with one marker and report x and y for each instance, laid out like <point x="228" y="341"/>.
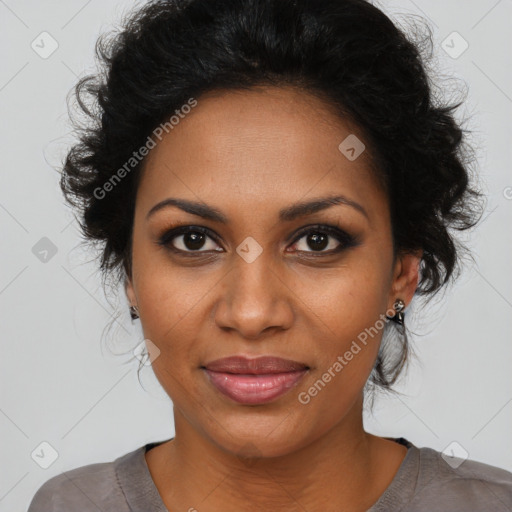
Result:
<point x="405" y="277"/>
<point x="130" y="292"/>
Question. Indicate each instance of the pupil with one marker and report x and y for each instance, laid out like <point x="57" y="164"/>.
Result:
<point x="317" y="241"/>
<point x="193" y="240"/>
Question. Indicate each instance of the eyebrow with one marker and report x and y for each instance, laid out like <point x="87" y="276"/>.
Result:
<point x="286" y="214"/>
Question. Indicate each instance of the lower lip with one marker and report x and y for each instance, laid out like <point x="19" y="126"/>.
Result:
<point x="254" y="389"/>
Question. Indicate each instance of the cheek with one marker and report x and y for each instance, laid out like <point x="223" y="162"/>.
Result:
<point x="172" y="303"/>
<point x="170" y="321"/>
<point x="352" y="319"/>
<point x="173" y="315"/>
<point x="338" y="309"/>
<point x="349" y="298"/>
<point x="167" y="293"/>
<point x="352" y="314"/>
<point x="348" y="306"/>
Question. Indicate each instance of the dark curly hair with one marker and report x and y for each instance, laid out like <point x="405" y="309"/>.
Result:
<point x="346" y="52"/>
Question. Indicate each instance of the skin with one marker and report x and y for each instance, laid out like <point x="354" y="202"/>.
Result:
<point x="249" y="154"/>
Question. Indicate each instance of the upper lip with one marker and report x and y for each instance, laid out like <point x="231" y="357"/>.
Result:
<point x="255" y="366"/>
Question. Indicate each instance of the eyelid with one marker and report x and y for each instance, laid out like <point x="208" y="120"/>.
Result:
<point x="345" y="239"/>
<point x="330" y="229"/>
<point x="173" y="232"/>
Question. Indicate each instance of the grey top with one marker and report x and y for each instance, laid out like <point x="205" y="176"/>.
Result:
<point x="424" y="482"/>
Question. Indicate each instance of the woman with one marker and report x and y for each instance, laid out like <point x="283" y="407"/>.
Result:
<point x="273" y="182"/>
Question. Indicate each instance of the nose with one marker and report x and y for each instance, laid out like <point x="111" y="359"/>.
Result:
<point x="254" y="299"/>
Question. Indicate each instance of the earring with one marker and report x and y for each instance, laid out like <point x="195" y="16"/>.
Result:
<point x="134" y="312"/>
<point x="398" y="317"/>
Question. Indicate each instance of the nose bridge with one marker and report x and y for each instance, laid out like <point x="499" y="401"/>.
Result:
<point x="255" y="298"/>
<point x="252" y="278"/>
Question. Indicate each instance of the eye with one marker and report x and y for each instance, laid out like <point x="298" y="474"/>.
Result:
<point x="319" y="238"/>
<point x="189" y="239"/>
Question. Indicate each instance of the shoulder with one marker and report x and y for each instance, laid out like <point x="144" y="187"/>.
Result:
<point x="455" y="484"/>
<point x="87" y="488"/>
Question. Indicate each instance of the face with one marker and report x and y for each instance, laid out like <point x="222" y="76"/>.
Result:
<point x="250" y="274"/>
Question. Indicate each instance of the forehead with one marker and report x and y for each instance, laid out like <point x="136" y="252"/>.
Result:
<point x="255" y="149"/>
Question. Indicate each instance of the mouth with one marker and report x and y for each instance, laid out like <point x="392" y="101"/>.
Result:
<point x="254" y="381"/>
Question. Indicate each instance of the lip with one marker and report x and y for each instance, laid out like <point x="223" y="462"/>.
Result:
<point x="254" y="366"/>
<point x="254" y="381"/>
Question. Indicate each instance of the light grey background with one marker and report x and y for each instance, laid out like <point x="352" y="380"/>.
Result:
<point x="61" y="385"/>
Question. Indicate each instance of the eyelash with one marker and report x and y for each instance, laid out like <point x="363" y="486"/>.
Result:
<point x="345" y="239"/>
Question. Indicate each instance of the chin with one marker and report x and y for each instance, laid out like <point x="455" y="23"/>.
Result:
<point x="262" y="437"/>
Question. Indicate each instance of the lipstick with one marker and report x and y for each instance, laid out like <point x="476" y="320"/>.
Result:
<point x="254" y="381"/>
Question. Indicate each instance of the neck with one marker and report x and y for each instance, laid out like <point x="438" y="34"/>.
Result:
<point x="340" y="470"/>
